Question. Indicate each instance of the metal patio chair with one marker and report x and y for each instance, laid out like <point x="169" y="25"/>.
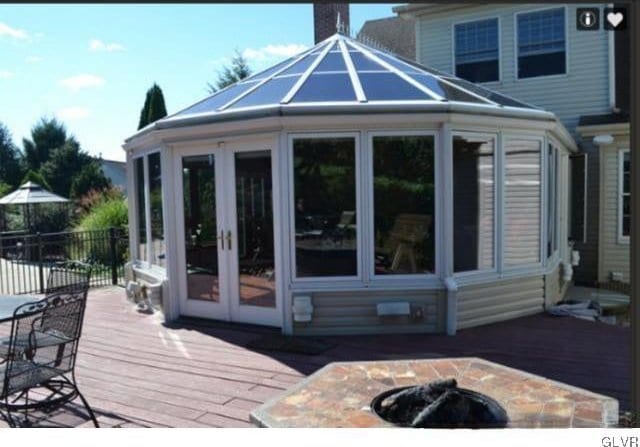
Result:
<point x="43" y="346"/>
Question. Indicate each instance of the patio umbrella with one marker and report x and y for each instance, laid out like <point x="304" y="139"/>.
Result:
<point x="31" y="194"/>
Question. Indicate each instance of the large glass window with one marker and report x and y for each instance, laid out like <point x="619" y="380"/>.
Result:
<point x="141" y="203"/>
<point x="476" y="50"/>
<point x="156" y="217"/>
<point x="200" y="227"/>
<point x="473" y="202"/>
<point x="403" y="204"/>
<point x="541" y="43"/>
<point x="625" y="193"/>
<point x="552" y="199"/>
<point x="148" y="186"/>
<point x="522" y="201"/>
<point x="326" y="225"/>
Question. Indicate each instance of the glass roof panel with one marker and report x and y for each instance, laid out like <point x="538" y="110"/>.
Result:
<point x="271" y="92"/>
<point x="300" y="66"/>
<point x="445" y="90"/>
<point x="407" y="66"/>
<point x="326" y="87"/>
<point x="489" y="94"/>
<point x="389" y="86"/>
<point x="269" y="71"/>
<point x="218" y="99"/>
<point x="331" y="62"/>
<point x="363" y="62"/>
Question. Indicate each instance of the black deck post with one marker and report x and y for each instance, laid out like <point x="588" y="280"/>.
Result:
<point x="40" y="268"/>
<point x="112" y="255"/>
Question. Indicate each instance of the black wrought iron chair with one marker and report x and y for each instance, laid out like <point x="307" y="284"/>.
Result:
<point x="43" y="346"/>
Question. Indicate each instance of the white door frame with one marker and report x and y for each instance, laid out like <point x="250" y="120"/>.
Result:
<point x="245" y="313"/>
<point x="228" y="307"/>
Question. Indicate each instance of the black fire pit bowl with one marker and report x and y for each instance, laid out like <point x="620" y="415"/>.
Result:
<point x="439" y="404"/>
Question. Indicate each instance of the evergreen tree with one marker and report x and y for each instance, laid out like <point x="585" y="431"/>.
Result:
<point x="10" y="169"/>
<point x="64" y="165"/>
<point x="46" y="136"/>
<point x="154" y="107"/>
<point x="35" y="177"/>
<point x="89" y="178"/>
<point x="238" y="70"/>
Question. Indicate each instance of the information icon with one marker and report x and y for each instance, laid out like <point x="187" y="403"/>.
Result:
<point x="588" y="19"/>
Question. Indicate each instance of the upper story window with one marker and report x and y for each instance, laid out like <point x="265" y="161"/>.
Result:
<point x="624" y="194"/>
<point x="541" y="43"/>
<point x="476" y="50"/>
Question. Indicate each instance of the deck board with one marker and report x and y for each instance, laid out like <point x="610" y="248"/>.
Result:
<point x="136" y="371"/>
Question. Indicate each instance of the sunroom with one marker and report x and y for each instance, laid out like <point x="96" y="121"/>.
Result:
<point x="346" y="190"/>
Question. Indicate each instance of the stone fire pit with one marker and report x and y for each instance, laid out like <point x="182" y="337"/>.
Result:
<point x="339" y="395"/>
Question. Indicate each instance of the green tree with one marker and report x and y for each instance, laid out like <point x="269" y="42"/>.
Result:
<point x="10" y="169"/>
<point x="46" y="136"/>
<point x="89" y="178"/>
<point x="238" y="70"/>
<point x="154" y="107"/>
<point x="35" y="177"/>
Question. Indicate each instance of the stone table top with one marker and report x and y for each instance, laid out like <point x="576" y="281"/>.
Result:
<point x="339" y="395"/>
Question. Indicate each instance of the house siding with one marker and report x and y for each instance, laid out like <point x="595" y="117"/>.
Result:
<point x="584" y="90"/>
<point x="498" y="301"/>
<point x="614" y="254"/>
<point x="356" y="313"/>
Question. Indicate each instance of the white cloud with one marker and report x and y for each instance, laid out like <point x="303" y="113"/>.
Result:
<point x="33" y="59"/>
<point x="271" y="52"/>
<point x="78" y="82"/>
<point x="73" y="113"/>
<point x="6" y="30"/>
<point x="98" y="45"/>
<point x="6" y="74"/>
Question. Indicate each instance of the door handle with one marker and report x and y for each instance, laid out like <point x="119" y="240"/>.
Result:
<point x="229" y="240"/>
<point x="221" y="237"/>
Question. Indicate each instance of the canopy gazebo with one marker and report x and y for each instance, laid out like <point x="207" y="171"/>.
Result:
<point x="30" y="196"/>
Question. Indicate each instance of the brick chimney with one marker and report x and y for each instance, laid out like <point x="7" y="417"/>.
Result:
<point x="325" y="17"/>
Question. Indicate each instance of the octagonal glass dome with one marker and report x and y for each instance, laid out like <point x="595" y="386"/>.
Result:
<point x="343" y="71"/>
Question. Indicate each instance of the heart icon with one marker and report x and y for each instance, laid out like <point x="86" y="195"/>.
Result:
<point x="615" y="18"/>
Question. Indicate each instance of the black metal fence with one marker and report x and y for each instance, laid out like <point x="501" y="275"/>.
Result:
<point x="25" y="259"/>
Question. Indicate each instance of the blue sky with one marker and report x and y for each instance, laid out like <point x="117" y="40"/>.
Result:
<point x="90" y="65"/>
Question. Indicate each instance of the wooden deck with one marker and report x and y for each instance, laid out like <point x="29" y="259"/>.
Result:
<point x="135" y="371"/>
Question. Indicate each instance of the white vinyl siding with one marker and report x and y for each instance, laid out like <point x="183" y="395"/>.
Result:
<point x="587" y="60"/>
<point x="355" y="312"/>
<point x="522" y="201"/>
<point x="499" y="301"/>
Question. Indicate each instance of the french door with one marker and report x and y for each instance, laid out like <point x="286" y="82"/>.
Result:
<point x="227" y="236"/>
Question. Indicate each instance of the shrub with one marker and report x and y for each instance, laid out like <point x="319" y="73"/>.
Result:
<point x="110" y="213"/>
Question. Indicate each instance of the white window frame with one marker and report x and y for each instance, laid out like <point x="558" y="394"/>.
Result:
<point x="555" y="165"/>
<point x="405" y="279"/>
<point x="497" y="206"/>
<point x="148" y="263"/>
<point x="453" y="46"/>
<point x="516" y="44"/>
<point x="330" y="280"/>
<point x="622" y="238"/>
